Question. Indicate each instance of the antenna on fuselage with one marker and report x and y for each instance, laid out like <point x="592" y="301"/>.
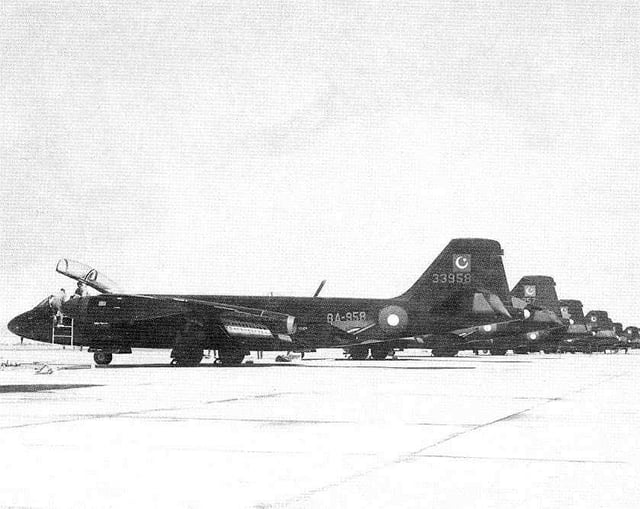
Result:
<point x="319" y="288"/>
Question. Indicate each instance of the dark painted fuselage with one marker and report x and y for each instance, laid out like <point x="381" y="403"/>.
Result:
<point x="319" y="323"/>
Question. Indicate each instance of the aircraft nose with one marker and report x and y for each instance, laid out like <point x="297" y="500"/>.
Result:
<point x="34" y="324"/>
<point x="21" y="325"/>
<point x="16" y="325"/>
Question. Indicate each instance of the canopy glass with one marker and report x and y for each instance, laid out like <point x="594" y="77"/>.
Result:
<point x="81" y="272"/>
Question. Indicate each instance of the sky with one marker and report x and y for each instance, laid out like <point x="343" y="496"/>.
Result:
<point x="257" y="147"/>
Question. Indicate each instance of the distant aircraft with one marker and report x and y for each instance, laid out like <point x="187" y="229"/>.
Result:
<point x="586" y="334"/>
<point x="603" y="328"/>
<point x="632" y="333"/>
<point x="448" y="302"/>
<point x="544" y="325"/>
<point x="577" y="337"/>
<point x="534" y="331"/>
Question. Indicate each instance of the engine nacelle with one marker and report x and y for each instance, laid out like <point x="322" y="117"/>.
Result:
<point x="283" y="324"/>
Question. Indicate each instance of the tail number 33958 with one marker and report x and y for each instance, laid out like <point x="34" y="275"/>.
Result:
<point x="451" y="278"/>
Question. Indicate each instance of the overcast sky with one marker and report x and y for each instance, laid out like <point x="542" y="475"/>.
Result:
<point x="244" y="148"/>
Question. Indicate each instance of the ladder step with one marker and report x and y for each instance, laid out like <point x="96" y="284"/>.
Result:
<point x="63" y="331"/>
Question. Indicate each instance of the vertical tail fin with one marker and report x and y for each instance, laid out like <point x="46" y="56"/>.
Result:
<point x="571" y="309"/>
<point x="598" y="320"/>
<point x="463" y="264"/>
<point x="539" y="291"/>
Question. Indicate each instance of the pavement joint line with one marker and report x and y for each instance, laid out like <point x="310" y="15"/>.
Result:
<point x="512" y="458"/>
<point x="446" y="396"/>
<point x="201" y="448"/>
<point x="403" y="458"/>
<point x="295" y="421"/>
<point x="412" y="456"/>
<point x="225" y="419"/>
<point x="86" y="417"/>
<point x="249" y="398"/>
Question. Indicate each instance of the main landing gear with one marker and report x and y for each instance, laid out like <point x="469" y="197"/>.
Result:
<point x="188" y="358"/>
<point x="381" y="353"/>
<point x="358" y="353"/>
<point x="444" y="351"/>
<point x="102" y="358"/>
<point x="231" y="356"/>
<point x="361" y="353"/>
<point x="187" y="349"/>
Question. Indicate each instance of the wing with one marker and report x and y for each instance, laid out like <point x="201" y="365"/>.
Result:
<point x="237" y="321"/>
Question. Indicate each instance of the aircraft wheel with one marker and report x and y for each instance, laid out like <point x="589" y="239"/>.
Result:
<point x="231" y="356"/>
<point x="187" y="349"/>
<point x="102" y="358"/>
<point x="521" y="351"/>
<point x="498" y="351"/>
<point x="444" y="352"/>
<point x="380" y="353"/>
<point x="188" y="360"/>
<point x="358" y="353"/>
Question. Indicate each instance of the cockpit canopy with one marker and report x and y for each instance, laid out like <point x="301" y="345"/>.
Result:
<point x="90" y="276"/>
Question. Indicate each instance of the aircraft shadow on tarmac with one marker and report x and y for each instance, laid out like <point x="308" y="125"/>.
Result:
<point x="278" y="365"/>
<point x="42" y="387"/>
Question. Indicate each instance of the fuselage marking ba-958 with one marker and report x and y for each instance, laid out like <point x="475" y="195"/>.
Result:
<point x="349" y="316"/>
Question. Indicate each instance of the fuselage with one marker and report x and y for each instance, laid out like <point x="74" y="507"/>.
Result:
<point x="319" y="323"/>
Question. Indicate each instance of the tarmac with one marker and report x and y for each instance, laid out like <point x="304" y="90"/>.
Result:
<point x="488" y="432"/>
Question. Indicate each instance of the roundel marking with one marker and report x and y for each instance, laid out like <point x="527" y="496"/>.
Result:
<point x="594" y="318"/>
<point x="393" y="319"/>
<point x="530" y="290"/>
<point x="462" y="262"/>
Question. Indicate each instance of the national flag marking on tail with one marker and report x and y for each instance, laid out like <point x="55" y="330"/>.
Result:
<point x="461" y="263"/>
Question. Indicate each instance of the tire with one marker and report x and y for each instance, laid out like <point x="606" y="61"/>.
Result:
<point x="380" y="354"/>
<point x="444" y="352"/>
<point x="188" y="360"/>
<point x="358" y="353"/>
<point x="231" y="356"/>
<point x="188" y="347"/>
<point x="102" y="358"/>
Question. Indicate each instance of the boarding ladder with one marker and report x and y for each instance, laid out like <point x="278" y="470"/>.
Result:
<point x="62" y="331"/>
